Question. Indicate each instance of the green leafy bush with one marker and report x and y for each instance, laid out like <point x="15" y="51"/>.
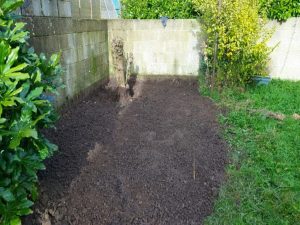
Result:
<point x="236" y="41"/>
<point x="281" y="10"/>
<point x="26" y="82"/>
<point x="154" y="9"/>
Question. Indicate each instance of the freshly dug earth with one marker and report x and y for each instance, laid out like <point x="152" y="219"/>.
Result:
<point x="158" y="159"/>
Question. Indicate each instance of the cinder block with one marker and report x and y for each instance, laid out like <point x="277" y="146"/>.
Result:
<point x="85" y="38"/>
<point x="93" y="25"/>
<point x="104" y="15"/>
<point x="45" y="26"/>
<point x="65" y="8"/>
<point x="102" y="36"/>
<point x="70" y="79"/>
<point x="122" y="24"/>
<point x="37" y="44"/>
<point x="69" y="56"/>
<point x="141" y="34"/>
<point x="104" y="47"/>
<point x="86" y="51"/>
<point x="40" y="8"/>
<point x="66" y="41"/>
<point x="85" y="9"/>
<point x="49" y="7"/>
<point x="96" y="9"/>
<point x="79" y="26"/>
<point x="80" y="54"/>
<point x="80" y="76"/>
<point x="96" y="49"/>
<point x="51" y="43"/>
<point x="32" y="8"/>
<point x="75" y="9"/>
<point x="92" y="37"/>
<point x="146" y="24"/>
<point x="78" y="39"/>
<point x="63" y="25"/>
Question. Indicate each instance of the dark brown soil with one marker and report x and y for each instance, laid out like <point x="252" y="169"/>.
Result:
<point x="157" y="160"/>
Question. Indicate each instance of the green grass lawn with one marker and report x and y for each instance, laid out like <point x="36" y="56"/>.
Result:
<point x="263" y="178"/>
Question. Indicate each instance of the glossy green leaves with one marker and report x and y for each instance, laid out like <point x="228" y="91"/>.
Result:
<point x="25" y="80"/>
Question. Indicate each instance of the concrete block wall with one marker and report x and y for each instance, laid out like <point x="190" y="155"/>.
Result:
<point x="83" y="46"/>
<point x="80" y="9"/>
<point x="87" y="9"/>
<point x="47" y="8"/>
<point x="176" y="49"/>
<point x="173" y="50"/>
<point x="108" y="10"/>
<point x="285" y="59"/>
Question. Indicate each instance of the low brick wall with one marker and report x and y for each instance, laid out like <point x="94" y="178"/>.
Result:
<point x="83" y="45"/>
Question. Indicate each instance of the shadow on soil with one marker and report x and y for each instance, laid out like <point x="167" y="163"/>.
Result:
<point x="157" y="160"/>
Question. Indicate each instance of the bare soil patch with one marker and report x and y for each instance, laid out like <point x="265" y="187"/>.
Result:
<point x="159" y="159"/>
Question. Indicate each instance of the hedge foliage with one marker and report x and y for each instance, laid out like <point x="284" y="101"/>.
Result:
<point x="236" y="41"/>
<point x="280" y="10"/>
<point x="27" y="81"/>
<point x="154" y="9"/>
